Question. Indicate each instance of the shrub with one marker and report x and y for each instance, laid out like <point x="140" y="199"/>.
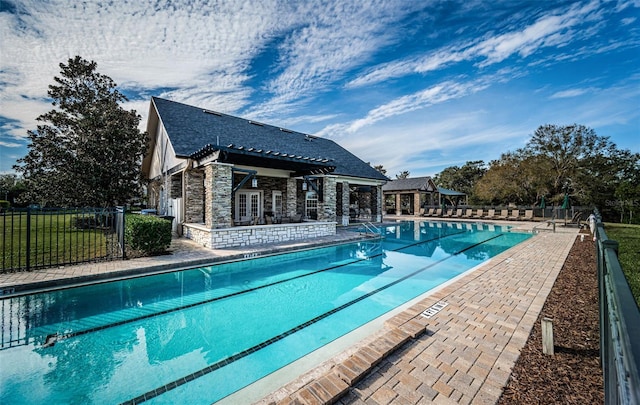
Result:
<point x="4" y="205"/>
<point x="148" y="234"/>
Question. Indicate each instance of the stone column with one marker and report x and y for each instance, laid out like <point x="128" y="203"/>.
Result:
<point x="377" y="196"/>
<point x="218" y="186"/>
<point x="345" y="203"/>
<point x="416" y="203"/>
<point x="194" y="196"/>
<point x="398" y="206"/>
<point x="327" y="208"/>
<point x="292" y="198"/>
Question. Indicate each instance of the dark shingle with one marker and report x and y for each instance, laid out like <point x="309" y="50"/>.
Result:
<point x="191" y="129"/>
<point x="415" y="183"/>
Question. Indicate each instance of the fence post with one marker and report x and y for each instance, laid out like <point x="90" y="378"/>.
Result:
<point x="120" y="222"/>
<point x="28" y="258"/>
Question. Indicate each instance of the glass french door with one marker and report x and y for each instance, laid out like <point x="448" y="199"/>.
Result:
<point x="248" y="204"/>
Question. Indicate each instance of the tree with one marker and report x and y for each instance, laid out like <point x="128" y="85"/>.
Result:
<point x="88" y="150"/>
<point x="567" y="148"/>
<point x="588" y="166"/>
<point x="403" y="175"/>
<point x="380" y="169"/>
<point x="569" y="159"/>
<point x="463" y="178"/>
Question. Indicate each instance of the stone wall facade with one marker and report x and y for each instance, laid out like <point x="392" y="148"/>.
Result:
<point x="327" y="208"/>
<point x="194" y="196"/>
<point x="291" y="205"/>
<point x="345" y="202"/>
<point x="254" y="235"/>
<point x="218" y="186"/>
<point x="175" y="190"/>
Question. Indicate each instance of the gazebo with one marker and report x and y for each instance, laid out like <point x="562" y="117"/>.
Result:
<point x="408" y="196"/>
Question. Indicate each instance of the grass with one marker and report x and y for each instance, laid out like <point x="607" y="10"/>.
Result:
<point x="628" y="238"/>
<point x="54" y="240"/>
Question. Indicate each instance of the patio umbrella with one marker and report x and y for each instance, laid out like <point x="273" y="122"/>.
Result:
<point x="543" y="205"/>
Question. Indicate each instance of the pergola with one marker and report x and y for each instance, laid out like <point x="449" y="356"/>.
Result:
<point x="408" y="196"/>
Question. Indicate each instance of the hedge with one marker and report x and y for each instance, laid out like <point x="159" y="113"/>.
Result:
<point x="147" y="233"/>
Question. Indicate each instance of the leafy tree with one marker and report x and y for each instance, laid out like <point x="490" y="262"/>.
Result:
<point x="463" y="178"/>
<point x="403" y="175"/>
<point x="588" y="166"/>
<point x="87" y="151"/>
<point x="380" y="169"/>
<point x="564" y="159"/>
<point x="514" y="178"/>
<point x="11" y="186"/>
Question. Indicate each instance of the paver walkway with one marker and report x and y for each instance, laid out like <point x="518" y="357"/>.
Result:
<point x="463" y="353"/>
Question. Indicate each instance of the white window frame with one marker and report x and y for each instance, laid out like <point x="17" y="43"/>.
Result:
<point x="248" y="209"/>
<point x="310" y="203"/>
<point x="276" y="203"/>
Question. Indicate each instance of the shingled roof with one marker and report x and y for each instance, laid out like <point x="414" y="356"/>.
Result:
<point x="410" y="184"/>
<point x="196" y="132"/>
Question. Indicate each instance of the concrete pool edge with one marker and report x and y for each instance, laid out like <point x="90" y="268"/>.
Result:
<point x="485" y="355"/>
<point x="14" y="284"/>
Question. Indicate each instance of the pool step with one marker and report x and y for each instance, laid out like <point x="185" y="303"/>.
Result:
<point x="328" y="388"/>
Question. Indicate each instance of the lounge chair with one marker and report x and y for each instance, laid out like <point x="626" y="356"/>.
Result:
<point x="504" y="214"/>
<point x="448" y="214"/>
<point x="458" y="213"/>
<point x="515" y="215"/>
<point x="429" y="213"/>
<point x="479" y="213"/>
<point x="438" y="213"/>
<point x="490" y="215"/>
<point x="468" y="213"/>
<point x="576" y="219"/>
<point x="528" y="215"/>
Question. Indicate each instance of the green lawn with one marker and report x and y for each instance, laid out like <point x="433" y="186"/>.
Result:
<point x="628" y="237"/>
<point x="54" y="239"/>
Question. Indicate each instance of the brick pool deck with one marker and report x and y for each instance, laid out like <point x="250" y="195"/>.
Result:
<point x="463" y="353"/>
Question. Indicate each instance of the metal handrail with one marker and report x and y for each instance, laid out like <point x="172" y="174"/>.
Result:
<point x="370" y="227"/>
<point x="619" y="325"/>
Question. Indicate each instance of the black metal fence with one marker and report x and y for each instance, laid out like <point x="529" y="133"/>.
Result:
<point x="32" y="238"/>
<point x="619" y="325"/>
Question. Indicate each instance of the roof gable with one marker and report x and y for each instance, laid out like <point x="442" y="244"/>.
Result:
<point x="195" y="132"/>
<point x="411" y="184"/>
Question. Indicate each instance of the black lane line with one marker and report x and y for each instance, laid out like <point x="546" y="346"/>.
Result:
<point x="228" y="360"/>
<point x="52" y="339"/>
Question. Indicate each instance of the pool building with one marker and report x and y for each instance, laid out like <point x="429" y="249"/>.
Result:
<point x="232" y="182"/>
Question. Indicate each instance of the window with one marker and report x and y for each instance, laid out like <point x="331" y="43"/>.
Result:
<point x="311" y="205"/>
<point x="277" y="203"/>
<point x="248" y="204"/>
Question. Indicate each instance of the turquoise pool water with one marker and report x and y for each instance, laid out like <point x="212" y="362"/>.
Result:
<point x="198" y="335"/>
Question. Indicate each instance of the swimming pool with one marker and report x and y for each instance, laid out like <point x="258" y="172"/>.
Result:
<point x="199" y="335"/>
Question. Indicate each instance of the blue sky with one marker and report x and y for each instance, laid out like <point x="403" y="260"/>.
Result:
<point x="411" y="85"/>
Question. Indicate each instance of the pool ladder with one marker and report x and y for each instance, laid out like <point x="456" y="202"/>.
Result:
<point x="370" y="228"/>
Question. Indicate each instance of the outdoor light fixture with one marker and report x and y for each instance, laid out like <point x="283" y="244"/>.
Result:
<point x="304" y="186"/>
<point x="254" y="182"/>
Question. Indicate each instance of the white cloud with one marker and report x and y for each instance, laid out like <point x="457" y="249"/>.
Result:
<point x="203" y="49"/>
<point x="569" y="93"/>
<point x="329" y="44"/>
<point x="435" y="94"/>
<point x="551" y="30"/>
